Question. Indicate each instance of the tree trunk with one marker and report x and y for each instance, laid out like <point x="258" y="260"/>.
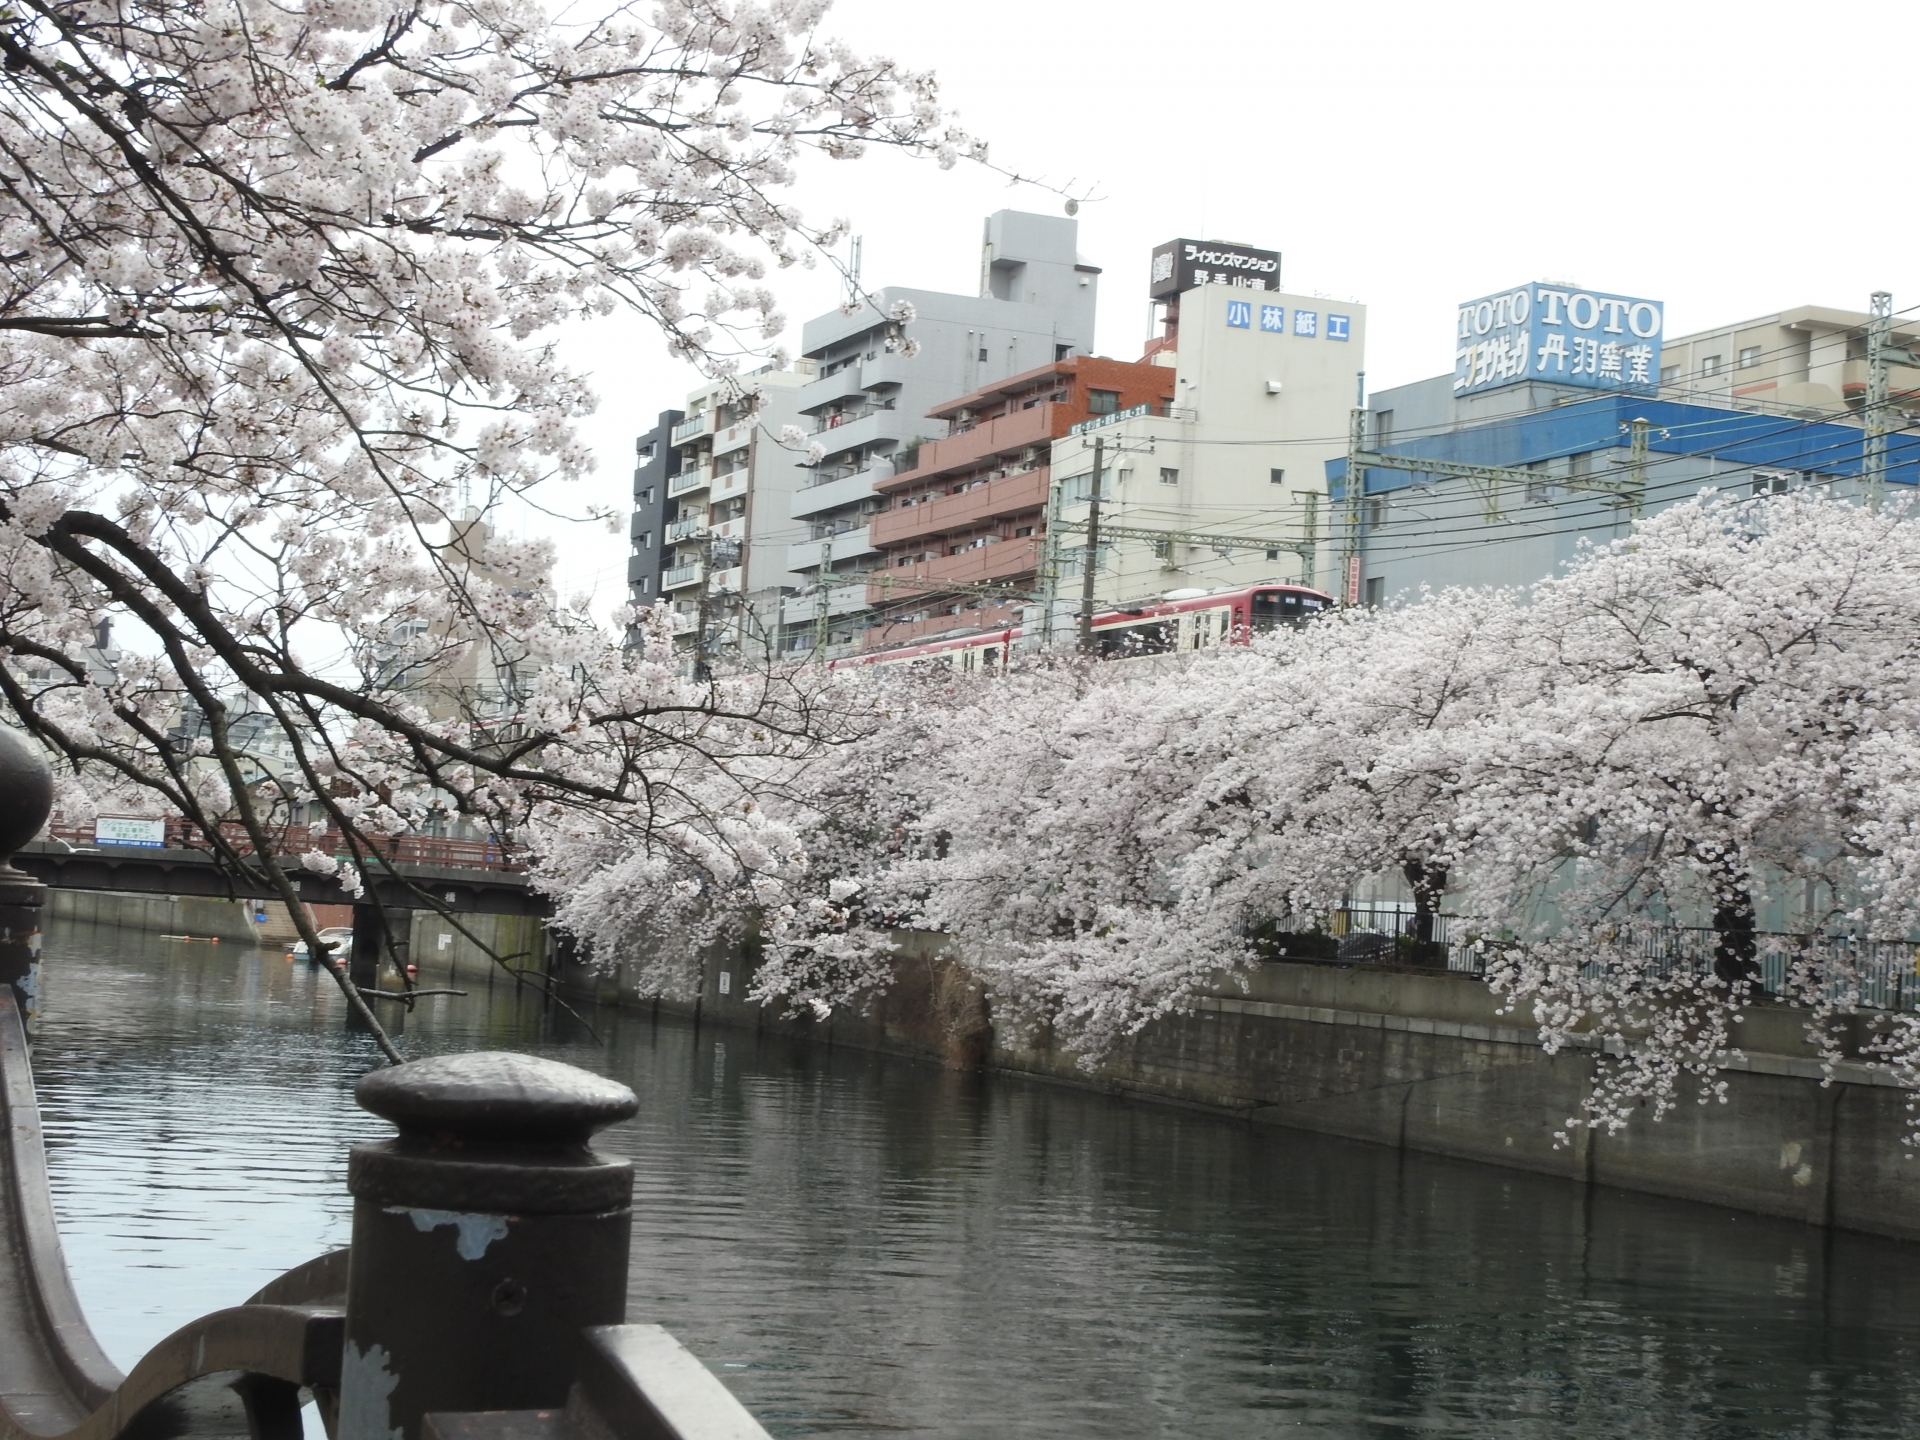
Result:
<point x="1735" y="951"/>
<point x="1429" y="884"/>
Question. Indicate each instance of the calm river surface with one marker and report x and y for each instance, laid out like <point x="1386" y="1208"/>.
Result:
<point x="861" y="1245"/>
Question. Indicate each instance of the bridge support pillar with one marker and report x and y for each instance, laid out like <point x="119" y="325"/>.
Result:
<point x="26" y="800"/>
<point x="373" y="942"/>
<point x="485" y="1236"/>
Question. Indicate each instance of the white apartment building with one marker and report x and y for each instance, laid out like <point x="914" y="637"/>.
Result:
<point x="1265" y="383"/>
<point x="868" y="401"/>
<point x="729" y="521"/>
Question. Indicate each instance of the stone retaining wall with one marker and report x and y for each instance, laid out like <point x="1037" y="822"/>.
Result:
<point x="1423" y="1061"/>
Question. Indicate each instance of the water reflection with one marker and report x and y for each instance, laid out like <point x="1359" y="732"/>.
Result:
<point x="863" y="1245"/>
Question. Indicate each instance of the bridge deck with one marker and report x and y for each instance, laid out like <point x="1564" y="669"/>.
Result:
<point x="462" y="889"/>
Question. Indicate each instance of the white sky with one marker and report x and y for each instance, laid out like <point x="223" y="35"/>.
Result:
<point x="1728" y="159"/>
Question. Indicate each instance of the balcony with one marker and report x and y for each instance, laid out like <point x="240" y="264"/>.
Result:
<point x="687" y="481"/>
<point x="685" y="527"/>
<point x="1009" y="495"/>
<point x="885" y="634"/>
<point x="733" y="482"/>
<point x="847" y="545"/>
<point x="872" y="426"/>
<point x="1008" y="560"/>
<point x="988" y="437"/>
<point x="681" y="576"/>
<point x="693" y="427"/>
<point x="733" y="437"/>
<point x="841" y="385"/>
<point x="847" y="490"/>
<point x="848" y="417"/>
<point x="842" y="600"/>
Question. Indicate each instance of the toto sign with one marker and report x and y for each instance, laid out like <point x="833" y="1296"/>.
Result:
<point x="1559" y="334"/>
<point x="1188" y="264"/>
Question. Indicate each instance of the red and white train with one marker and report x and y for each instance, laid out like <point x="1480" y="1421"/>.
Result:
<point x="1172" y="624"/>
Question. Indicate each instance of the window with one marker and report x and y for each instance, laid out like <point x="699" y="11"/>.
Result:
<point x="645" y="497"/>
<point x="1276" y="477"/>
<point x="1021" y="531"/>
<point x="1102" y="402"/>
<point x="1376" y="514"/>
<point x="1581" y="465"/>
<point x="1273" y="554"/>
<point x="1376" y="591"/>
<point x="1710" y="365"/>
<point x="1060" y="352"/>
<point x="1169" y="477"/>
<point x="983" y="353"/>
<point x="1669" y="374"/>
<point x="1749" y="357"/>
<point x="646" y="451"/>
<point x="1771" y="482"/>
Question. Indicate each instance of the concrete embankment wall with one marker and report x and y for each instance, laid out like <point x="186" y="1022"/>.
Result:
<point x="203" y="917"/>
<point x="1422" y="1061"/>
<point x="522" y="939"/>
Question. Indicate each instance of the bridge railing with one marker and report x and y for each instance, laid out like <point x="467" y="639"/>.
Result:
<point x="412" y="849"/>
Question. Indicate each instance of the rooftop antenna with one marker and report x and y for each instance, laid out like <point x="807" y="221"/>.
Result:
<point x="854" y="247"/>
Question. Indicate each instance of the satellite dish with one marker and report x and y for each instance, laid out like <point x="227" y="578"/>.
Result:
<point x="1073" y="207"/>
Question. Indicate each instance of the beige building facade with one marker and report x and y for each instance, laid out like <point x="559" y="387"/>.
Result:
<point x="1264" y="386"/>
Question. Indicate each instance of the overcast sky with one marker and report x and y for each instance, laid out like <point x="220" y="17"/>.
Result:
<point x="1729" y="160"/>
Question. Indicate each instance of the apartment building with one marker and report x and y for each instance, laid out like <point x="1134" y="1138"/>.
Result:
<point x="871" y="393"/>
<point x="1807" y="361"/>
<point x="1226" y="485"/>
<point x="969" y="508"/>
<point x="656" y="464"/>
<point x="728" y="523"/>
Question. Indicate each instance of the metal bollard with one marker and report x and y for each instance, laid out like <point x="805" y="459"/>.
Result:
<point x="485" y="1236"/>
<point x="26" y="799"/>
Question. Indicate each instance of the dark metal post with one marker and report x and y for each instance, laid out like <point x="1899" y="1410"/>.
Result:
<point x="485" y="1236"/>
<point x="26" y="799"/>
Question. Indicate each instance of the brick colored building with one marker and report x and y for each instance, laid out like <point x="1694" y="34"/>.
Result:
<point x="971" y="507"/>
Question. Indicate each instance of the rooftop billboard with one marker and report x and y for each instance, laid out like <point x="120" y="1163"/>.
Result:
<point x="1188" y="264"/>
<point x="1560" y="335"/>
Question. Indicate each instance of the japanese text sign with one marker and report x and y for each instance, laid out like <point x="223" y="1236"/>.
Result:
<point x="1560" y="335"/>
<point x="1188" y="264"/>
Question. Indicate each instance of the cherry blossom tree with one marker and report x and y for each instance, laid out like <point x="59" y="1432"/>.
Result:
<point x="279" y="284"/>
<point x="1686" y="760"/>
<point x="1717" y="729"/>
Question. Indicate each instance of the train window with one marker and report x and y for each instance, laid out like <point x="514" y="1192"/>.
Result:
<point x="1282" y="607"/>
<point x="1156" y="637"/>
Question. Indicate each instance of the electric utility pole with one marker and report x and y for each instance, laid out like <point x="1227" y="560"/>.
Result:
<point x="1092" y="551"/>
<point x="1873" y="447"/>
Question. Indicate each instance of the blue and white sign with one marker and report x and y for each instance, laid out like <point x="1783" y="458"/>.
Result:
<point x="1240" y="314"/>
<point x="1339" y="327"/>
<point x="1273" y="319"/>
<point x="1559" y="335"/>
<point x="126" y="830"/>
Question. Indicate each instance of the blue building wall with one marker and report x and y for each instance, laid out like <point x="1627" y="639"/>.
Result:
<point x="1436" y="531"/>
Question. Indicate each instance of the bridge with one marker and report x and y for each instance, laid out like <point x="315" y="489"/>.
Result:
<point x="460" y="876"/>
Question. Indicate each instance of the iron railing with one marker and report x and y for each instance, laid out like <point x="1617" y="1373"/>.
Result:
<point x="1877" y="974"/>
<point x="181" y="834"/>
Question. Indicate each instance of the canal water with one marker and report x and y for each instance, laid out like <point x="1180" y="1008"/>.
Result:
<point x="865" y="1246"/>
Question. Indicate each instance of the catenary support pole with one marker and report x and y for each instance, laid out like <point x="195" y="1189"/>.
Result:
<point x="1875" y="415"/>
<point x="1089" y="565"/>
